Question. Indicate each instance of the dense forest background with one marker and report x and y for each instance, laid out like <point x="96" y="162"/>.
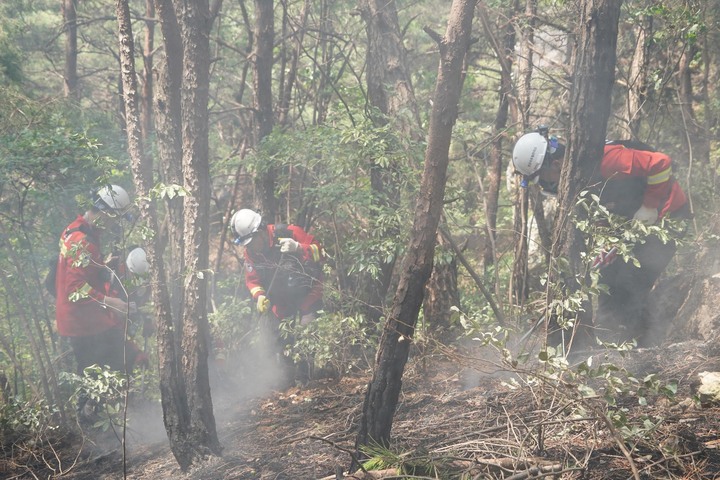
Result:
<point x="315" y="113"/>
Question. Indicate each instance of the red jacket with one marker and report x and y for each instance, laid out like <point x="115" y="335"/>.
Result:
<point x="661" y="190"/>
<point x="79" y="283"/>
<point x="263" y="277"/>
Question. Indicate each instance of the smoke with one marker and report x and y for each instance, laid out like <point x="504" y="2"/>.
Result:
<point x="242" y="374"/>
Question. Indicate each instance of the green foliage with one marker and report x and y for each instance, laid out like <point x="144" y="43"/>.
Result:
<point x="104" y="389"/>
<point x="332" y="341"/>
<point x="26" y="422"/>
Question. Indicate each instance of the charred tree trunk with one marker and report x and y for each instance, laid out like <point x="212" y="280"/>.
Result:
<point x="195" y="25"/>
<point x="175" y="412"/>
<point x="594" y="60"/>
<point x="169" y="144"/>
<point x="384" y="388"/>
<point x="263" y="61"/>
<point x="70" y="77"/>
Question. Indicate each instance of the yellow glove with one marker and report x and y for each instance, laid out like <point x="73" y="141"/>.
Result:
<point x="263" y="304"/>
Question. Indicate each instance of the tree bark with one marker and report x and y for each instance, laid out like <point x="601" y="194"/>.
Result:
<point x="384" y="388"/>
<point x="169" y="146"/>
<point x="594" y="61"/>
<point x="263" y="61"/>
<point x="504" y="52"/>
<point x="195" y="25"/>
<point x="518" y="285"/>
<point x="175" y="412"/>
<point x="441" y="292"/>
<point x="147" y="77"/>
<point x="637" y="77"/>
<point x="70" y="78"/>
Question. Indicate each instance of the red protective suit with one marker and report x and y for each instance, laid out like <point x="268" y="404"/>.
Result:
<point x="79" y="283"/>
<point x="654" y="170"/>
<point x="292" y="281"/>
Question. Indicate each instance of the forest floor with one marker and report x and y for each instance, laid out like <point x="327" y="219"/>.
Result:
<point x="457" y="418"/>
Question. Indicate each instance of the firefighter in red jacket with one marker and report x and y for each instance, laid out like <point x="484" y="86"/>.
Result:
<point x="85" y="311"/>
<point x="283" y="266"/>
<point x="633" y="181"/>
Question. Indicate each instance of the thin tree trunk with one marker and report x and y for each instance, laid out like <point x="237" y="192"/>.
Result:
<point x="504" y="53"/>
<point x="384" y="388"/>
<point x="147" y="84"/>
<point x="637" y="77"/>
<point x="70" y="77"/>
<point x="518" y="285"/>
<point x="263" y="59"/>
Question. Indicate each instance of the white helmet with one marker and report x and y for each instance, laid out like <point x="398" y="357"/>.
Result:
<point x="244" y="224"/>
<point x="112" y="199"/>
<point x="529" y="153"/>
<point x="137" y="261"/>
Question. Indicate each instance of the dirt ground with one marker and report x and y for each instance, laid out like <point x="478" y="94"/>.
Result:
<point x="461" y="415"/>
<point x="457" y="418"/>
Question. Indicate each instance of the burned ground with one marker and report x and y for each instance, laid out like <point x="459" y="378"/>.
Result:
<point x="458" y="417"/>
<point x="463" y="413"/>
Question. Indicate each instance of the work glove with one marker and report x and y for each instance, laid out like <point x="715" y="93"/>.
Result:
<point x="288" y="245"/>
<point x="646" y="215"/>
<point x="115" y="303"/>
<point x="263" y="304"/>
<point x="604" y="258"/>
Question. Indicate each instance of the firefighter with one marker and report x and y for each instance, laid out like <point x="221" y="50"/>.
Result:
<point x="283" y="266"/>
<point x="633" y="181"/>
<point x="86" y="313"/>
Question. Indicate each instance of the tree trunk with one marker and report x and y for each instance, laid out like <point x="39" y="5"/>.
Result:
<point x="263" y="56"/>
<point x="504" y="53"/>
<point x="195" y="25"/>
<point x="637" y="77"/>
<point x="175" y="412"/>
<point x="288" y="85"/>
<point x="147" y="83"/>
<point x="518" y="285"/>
<point x="441" y="292"/>
<point x="169" y="145"/>
<point x="594" y="60"/>
<point x="70" y="77"/>
<point x="695" y="136"/>
<point x="384" y="388"/>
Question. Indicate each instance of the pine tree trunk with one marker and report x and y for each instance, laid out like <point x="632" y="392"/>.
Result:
<point x="70" y="76"/>
<point x="384" y="388"/>
<point x="195" y="25"/>
<point x="263" y="56"/>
